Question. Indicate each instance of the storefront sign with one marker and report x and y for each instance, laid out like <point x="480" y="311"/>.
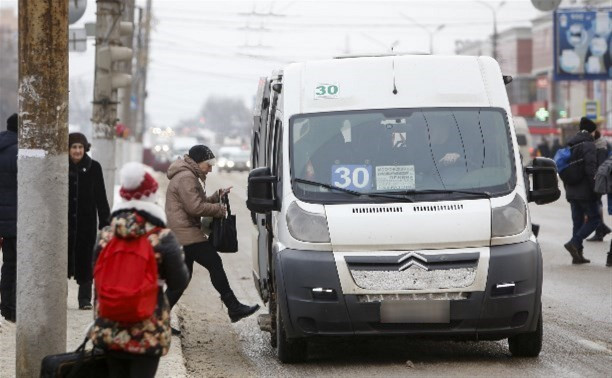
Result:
<point x="582" y="44"/>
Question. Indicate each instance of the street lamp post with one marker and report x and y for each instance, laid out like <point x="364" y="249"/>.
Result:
<point x="430" y="33"/>
<point x="494" y="12"/>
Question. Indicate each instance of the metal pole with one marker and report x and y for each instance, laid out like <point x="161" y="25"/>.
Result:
<point x="494" y="34"/>
<point x="42" y="165"/>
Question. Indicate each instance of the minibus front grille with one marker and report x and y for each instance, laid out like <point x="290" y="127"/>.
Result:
<point x="373" y="298"/>
<point x="414" y="278"/>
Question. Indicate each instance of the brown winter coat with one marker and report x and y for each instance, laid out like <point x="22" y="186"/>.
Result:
<point x="186" y="201"/>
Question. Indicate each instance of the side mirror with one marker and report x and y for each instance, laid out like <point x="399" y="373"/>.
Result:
<point x="260" y="191"/>
<point x="545" y="183"/>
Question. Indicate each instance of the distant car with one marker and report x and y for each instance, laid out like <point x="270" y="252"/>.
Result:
<point x="234" y="160"/>
<point x="523" y="139"/>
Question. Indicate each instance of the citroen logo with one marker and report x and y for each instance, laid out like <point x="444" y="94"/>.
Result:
<point x="411" y="258"/>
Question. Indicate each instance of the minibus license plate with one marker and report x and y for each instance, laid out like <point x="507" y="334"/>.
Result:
<point x="415" y="311"/>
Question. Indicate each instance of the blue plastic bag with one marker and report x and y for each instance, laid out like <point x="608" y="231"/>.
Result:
<point x="562" y="158"/>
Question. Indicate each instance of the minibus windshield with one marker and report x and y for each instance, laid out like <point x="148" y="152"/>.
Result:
<point x="430" y="153"/>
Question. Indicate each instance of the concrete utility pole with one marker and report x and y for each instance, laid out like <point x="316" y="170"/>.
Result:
<point x="494" y="13"/>
<point x="42" y="164"/>
<point x="125" y="94"/>
<point x="107" y="80"/>
<point x="142" y="59"/>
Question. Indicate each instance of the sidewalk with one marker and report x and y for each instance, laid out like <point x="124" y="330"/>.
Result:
<point x="171" y="365"/>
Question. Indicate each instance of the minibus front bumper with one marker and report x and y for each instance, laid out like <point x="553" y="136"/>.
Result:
<point x="311" y="299"/>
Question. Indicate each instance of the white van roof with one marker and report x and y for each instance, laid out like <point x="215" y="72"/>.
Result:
<point x="369" y="83"/>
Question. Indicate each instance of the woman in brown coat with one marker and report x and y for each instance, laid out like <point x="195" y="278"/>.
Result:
<point x="186" y="203"/>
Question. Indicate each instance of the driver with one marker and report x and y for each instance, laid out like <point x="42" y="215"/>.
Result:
<point x="444" y="149"/>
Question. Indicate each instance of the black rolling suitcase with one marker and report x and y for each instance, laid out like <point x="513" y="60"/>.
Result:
<point x="77" y="364"/>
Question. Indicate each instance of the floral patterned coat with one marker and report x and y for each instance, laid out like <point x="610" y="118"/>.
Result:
<point x="151" y="336"/>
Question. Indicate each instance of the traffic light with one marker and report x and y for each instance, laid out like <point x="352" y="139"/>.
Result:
<point x="108" y="76"/>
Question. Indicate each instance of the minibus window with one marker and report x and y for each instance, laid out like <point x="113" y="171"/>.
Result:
<point x="402" y="150"/>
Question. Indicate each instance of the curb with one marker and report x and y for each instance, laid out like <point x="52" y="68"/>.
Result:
<point x="173" y="364"/>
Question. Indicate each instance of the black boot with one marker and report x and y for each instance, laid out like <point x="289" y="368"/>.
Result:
<point x="600" y="232"/>
<point x="580" y="259"/>
<point x="609" y="260"/>
<point x="235" y="309"/>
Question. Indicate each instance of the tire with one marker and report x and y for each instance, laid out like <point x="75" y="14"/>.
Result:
<point x="527" y="344"/>
<point x="288" y="350"/>
<point x="272" y="309"/>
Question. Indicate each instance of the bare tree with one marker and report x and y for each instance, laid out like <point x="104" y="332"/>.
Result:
<point x="227" y="116"/>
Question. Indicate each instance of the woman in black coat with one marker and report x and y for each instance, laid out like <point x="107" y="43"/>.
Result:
<point x="88" y="211"/>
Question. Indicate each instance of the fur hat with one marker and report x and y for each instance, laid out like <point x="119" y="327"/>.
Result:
<point x="200" y="153"/>
<point x="12" y="123"/>
<point x="587" y="124"/>
<point x="137" y="183"/>
<point x="78" y="138"/>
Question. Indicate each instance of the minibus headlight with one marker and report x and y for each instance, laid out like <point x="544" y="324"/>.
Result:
<point x="305" y="226"/>
<point x="510" y="219"/>
<point x="230" y="164"/>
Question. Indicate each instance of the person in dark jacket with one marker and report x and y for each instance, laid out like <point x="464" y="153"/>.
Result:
<point x="555" y="147"/>
<point x="544" y="149"/>
<point x="88" y="210"/>
<point x="8" y="218"/>
<point x="134" y="349"/>
<point x="581" y="196"/>
<point x="601" y="146"/>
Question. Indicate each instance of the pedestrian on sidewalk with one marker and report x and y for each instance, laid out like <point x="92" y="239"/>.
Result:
<point x="134" y="349"/>
<point x="581" y="195"/>
<point x="609" y="258"/>
<point x="186" y="203"/>
<point x="602" y="148"/>
<point x="88" y="211"/>
<point x="8" y="218"/>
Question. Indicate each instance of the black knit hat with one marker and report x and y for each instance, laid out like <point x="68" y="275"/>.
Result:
<point x="200" y="153"/>
<point x="78" y="138"/>
<point x="587" y="124"/>
<point x="12" y="122"/>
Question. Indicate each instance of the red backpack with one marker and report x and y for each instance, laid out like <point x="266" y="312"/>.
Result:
<point x="126" y="275"/>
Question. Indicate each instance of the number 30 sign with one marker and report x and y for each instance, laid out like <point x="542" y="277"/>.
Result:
<point x="326" y="91"/>
<point x="353" y="177"/>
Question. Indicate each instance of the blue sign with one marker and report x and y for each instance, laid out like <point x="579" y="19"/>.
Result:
<point x="582" y="41"/>
<point x="353" y="177"/>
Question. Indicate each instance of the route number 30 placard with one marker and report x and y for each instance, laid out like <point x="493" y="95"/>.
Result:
<point x="326" y="91"/>
<point x="353" y="177"/>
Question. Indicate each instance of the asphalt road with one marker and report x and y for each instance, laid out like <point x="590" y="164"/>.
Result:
<point x="577" y="305"/>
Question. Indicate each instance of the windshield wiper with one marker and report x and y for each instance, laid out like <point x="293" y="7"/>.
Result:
<point x="446" y="191"/>
<point x="397" y="196"/>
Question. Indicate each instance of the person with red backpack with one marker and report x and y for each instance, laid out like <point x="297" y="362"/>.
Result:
<point x="134" y="257"/>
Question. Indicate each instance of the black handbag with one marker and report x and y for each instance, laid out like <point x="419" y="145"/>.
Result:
<point x="80" y="363"/>
<point x="223" y="235"/>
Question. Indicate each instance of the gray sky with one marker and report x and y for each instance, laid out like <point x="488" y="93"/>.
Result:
<point x="203" y="48"/>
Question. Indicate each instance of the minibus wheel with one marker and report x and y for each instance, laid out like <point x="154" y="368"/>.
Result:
<point x="288" y="350"/>
<point x="527" y="344"/>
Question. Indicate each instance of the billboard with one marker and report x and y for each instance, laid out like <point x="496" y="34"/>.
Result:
<point x="582" y="40"/>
